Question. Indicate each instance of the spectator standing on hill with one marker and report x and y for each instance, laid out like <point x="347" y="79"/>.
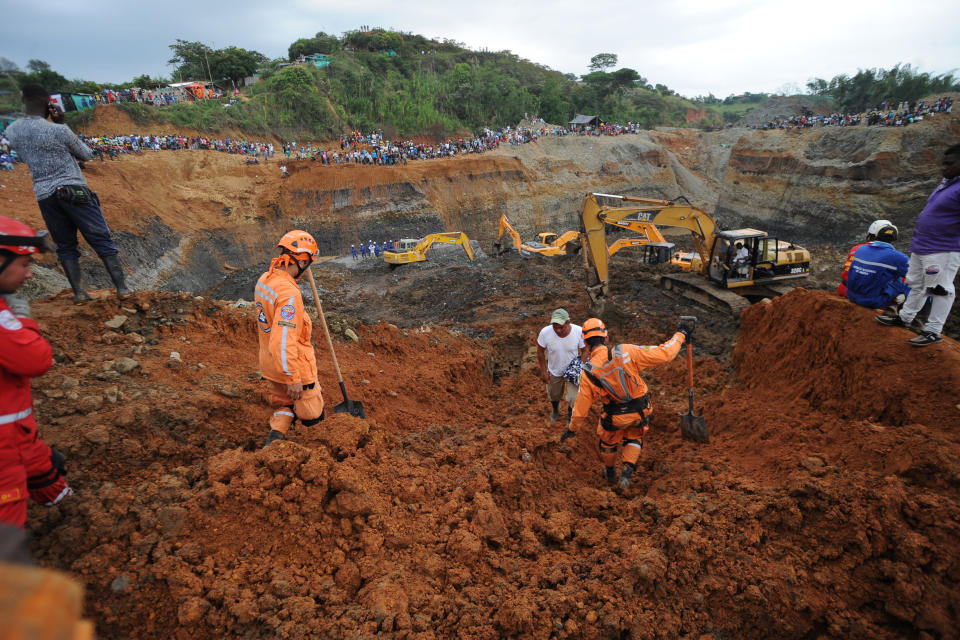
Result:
<point x="52" y="150"/>
<point x="934" y="256"/>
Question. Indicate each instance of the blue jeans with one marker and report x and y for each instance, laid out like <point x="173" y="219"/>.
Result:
<point x="63" y="220"/>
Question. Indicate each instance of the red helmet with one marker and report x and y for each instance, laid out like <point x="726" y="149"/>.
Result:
<point x="594" y="328"/>
<point x="298" y="241"/>
<point x="21" y="240"/>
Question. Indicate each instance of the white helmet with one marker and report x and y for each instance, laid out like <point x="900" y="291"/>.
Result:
<point x="883" y="230"/>
<point x="876" y="226"/>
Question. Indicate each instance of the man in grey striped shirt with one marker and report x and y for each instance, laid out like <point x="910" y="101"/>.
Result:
<point x="52" y="150"/>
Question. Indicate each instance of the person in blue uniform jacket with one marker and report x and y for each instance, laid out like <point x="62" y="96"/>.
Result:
<point x="877" y="270"/>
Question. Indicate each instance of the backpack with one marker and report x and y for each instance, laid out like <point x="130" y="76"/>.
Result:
<point x="630" y="400"/>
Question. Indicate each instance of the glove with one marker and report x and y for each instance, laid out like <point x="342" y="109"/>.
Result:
<point x="686" y="329"/>
<point x="50" y="487"/>
<point x="19" y="306"/>
<point x="566" y="434"/>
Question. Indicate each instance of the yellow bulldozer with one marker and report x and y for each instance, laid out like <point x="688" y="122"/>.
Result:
<point x="418" y="253"/>
<point x="546" y="244"/>
<point x="727" y="270"/>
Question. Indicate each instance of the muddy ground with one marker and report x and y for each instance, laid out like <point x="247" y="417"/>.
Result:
<point x="825" y="505"/>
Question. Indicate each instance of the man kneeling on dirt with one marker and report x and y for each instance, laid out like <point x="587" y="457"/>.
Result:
<point x="27" y="465"/>
<point x="873" y="273"/>
<point x="287" y="358"/>
<point x="612" y="376"/>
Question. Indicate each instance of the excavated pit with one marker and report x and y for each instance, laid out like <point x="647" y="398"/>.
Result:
<point x="824" y="506"/>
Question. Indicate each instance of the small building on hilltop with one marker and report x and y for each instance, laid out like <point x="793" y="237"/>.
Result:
<point x="319" y="60"/>
<point x="580" y="121"/>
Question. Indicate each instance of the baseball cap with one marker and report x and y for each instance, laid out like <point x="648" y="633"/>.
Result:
<point x="560" y="316"/>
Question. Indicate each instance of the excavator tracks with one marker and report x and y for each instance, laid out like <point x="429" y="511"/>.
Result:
<point x="697" y="289"/>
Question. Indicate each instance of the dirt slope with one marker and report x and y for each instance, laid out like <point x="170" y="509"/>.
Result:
<point x="821" y="507"/>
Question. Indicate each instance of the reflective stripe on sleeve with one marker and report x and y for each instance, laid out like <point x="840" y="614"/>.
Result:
<point x="13" y="417"/>
<point x="875" y="264"/>
<point x="284" y="413"/>
<point x="283" y="347"/>
<point x="266" y="292"/>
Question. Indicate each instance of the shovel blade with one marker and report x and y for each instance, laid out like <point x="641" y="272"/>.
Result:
<point x="693" y="427"/>
<point x="352" y="407"/>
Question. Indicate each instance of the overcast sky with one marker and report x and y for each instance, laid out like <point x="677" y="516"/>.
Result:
<point x="693" y="46"/>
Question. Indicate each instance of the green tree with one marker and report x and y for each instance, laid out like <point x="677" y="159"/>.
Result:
<point x="320" y="43"/>
<point x="235" y="63"/>
<point x="191" y="60"/>
<point x="624" y="78"/>
<point x="41" y="73"/>
<point x="294" y="93"/>
<point x="8" y="65"/>
<point x="83" y="86"/>
<point x="37" y="66"/>
<point x="869" y="87"/>
<point x="603" y="61"/>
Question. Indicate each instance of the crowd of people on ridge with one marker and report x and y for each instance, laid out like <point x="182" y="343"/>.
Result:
<point x="885" y="114"/>
<point x="354" y="148"/>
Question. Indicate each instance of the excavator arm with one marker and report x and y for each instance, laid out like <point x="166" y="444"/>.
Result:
<point x="419" y="252"/>
<point x="712" y="280"/>
<point x="555" y="247"/>
<point x="643" y="215"/>
<point x="506" y="227"/>
<point x="449" y="237"/>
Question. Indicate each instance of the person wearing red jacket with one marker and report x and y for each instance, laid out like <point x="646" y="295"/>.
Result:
<point x="28" y="466"/>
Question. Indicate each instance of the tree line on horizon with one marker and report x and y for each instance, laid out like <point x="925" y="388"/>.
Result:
<point x="409" y="84"/>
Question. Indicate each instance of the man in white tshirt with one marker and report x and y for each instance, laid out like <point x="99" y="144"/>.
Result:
<point x="557" y="345"/>
<point x="741" y="263"/>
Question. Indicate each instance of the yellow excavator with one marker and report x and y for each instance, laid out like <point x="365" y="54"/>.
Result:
<point x="546" y="244"/>
<point x="418" y="253"/>
<point x="727" y="269"/>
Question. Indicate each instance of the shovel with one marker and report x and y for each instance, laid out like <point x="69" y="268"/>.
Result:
<point x="354" y="408"/>
<point x="692" y="427"/>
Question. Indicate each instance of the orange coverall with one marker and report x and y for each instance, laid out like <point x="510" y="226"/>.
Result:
<point x="630" y="427"/>
<point x="286" y="353"/>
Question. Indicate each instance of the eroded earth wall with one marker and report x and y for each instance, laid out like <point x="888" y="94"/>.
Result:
<point x="186" y="219"/>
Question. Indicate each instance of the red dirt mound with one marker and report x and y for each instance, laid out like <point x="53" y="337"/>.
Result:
<point x="819" y="347"/>
<point x="452" y="511"/>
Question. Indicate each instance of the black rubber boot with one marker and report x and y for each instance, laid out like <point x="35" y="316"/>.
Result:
<point x="625" y="474"/>
<point x="610" y="474"/>
<point x="273" y="436"/>
<point x="112" y="263"/>
<point x="72" y="270"/>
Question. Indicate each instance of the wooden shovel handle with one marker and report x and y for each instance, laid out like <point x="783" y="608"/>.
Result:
<point x="326" y="331"/>
<point x="690" y="362"/>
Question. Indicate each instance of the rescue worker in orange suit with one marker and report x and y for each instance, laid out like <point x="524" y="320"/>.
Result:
<point x="612" y="376"/>
<point x="287" y="358"/>
<point x="28" y="466"/>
